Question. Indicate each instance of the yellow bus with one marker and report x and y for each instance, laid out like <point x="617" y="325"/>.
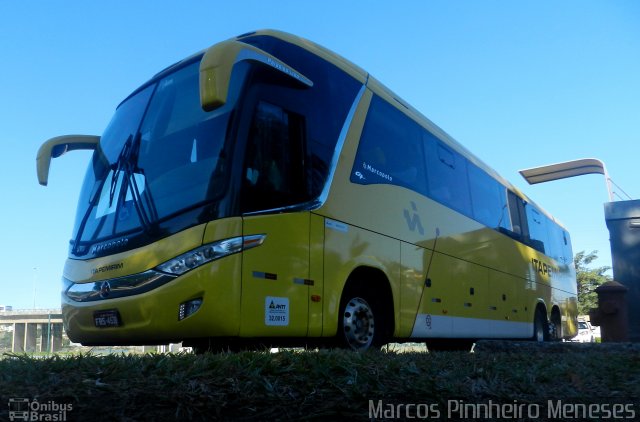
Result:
<point x="266" y="190"/>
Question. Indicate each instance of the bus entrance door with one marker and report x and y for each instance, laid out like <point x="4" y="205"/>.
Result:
<point x="275" y="276"/>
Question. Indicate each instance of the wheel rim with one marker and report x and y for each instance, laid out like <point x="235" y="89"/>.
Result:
<point x="358" y="324"/>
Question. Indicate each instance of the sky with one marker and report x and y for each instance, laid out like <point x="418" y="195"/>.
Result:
<point x="520" y="84"/>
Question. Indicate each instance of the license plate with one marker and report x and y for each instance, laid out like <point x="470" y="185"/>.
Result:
<point x="106" y="319"/>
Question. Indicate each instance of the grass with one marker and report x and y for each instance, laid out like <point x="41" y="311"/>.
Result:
<point x="323" y="385"/>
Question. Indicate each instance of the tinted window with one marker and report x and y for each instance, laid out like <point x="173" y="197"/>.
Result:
<point x="567" y="252"/>
<point x="537" y="223"/>
<point x="519" y="227"/>
<point x="181" y="145"/>
<point x="488" y="199"/>
<point x="325" y="106"/>
<point x="390" y="150"/>
<point x="447" y="176"/>
<point x="274" y="172"/>
<point x="554" y="246"/>
<point x="160" y="148"/>
<point x="559" y="243"/>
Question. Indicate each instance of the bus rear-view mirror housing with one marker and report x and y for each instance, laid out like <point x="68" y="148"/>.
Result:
<point x="60" y="145"/>
<point x="218" y="62"/>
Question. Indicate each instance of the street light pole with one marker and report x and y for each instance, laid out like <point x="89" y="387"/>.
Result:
<point x="568" y="169"/>
<point x="623" y="221"/>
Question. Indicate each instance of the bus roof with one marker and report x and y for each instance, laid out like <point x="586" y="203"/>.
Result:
<point x="381" y="90"/>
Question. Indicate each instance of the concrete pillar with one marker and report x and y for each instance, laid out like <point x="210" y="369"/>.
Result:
<point x="46" y="336"/>
<point x="56" y="337"/>
<point x="42" y="344"/>
<point x="30" y="337"/>
<point x="623" y="222"/>
<point x="17" y="346"/>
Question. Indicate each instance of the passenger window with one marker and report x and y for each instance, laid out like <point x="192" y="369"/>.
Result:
<point x="447" y="176"/>
<point x="567" y="252"/>
<point x="488" y="198"/>
<point x="537" y="228"/>
<point x="390" y="150"/>
<point x="274" y="173"/>
<point x="556" y="237"/>
<point x="520" y="229"/>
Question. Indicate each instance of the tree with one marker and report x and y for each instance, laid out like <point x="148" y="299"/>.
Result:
<point x="6" y="338"/>
<point x="588" y="280"/>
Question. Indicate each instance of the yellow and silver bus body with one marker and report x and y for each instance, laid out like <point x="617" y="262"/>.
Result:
<point x="451" y="276"/>
<point x="281" y="273"/>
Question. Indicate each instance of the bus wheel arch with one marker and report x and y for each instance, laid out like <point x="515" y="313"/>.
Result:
<point x="366" y="313"/>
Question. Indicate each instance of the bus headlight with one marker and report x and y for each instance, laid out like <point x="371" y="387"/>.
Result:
<point x="210" y="252"/>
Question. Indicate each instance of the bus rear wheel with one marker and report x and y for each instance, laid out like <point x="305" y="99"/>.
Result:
<point x="540" y="326"/>
<point x="361" y="325"/>
<point x="555" y="326"/>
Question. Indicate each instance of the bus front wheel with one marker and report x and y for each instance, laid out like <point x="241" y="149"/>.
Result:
<point x="361" y="324"/>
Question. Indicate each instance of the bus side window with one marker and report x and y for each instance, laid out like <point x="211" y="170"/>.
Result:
<point x="520" y="228"/>
<point x="537" y="228"/>
<point x="274" y="172"/>
<point x="390" y="150"/>
<point x="567" y="252"/>
<point x="488" y="199"/>
<point x="447" y="176"/>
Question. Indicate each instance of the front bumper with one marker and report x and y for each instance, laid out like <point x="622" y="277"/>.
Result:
<point x="152" y="317"/>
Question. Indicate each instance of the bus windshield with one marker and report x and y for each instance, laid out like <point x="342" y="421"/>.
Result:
<point x="159" y="156"/>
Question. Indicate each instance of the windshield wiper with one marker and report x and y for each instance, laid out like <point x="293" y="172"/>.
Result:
<point x="148" y="220"/>
<point x="127" y="164"/>
<point x="124" y="164"/>
<point x="120" y="163"/>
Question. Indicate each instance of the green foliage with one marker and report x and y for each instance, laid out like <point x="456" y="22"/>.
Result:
<point x="588" y="280"/>
<point x="6" y="338"/>
<point x="309" y="385"/>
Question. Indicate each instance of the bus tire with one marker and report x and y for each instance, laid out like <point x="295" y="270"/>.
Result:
<point x="555" y="326"/>
<point x="540" y="326"/>
<point x="361" y="324"/>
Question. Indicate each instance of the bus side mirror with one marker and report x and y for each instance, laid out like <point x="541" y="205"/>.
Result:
<point x="217" y="64"/>
<point x="60" y="145"/>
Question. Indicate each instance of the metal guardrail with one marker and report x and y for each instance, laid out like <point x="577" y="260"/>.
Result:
<point x="30" y="312"/>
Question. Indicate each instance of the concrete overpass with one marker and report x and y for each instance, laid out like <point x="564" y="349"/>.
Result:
<point x="31" y="325"/>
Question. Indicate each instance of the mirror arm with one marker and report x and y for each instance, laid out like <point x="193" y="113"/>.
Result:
<point x="58" y="146"/>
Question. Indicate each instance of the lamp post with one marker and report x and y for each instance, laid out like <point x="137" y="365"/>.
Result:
<point x="568" y="169"/>
<point x="623" y="221"/>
